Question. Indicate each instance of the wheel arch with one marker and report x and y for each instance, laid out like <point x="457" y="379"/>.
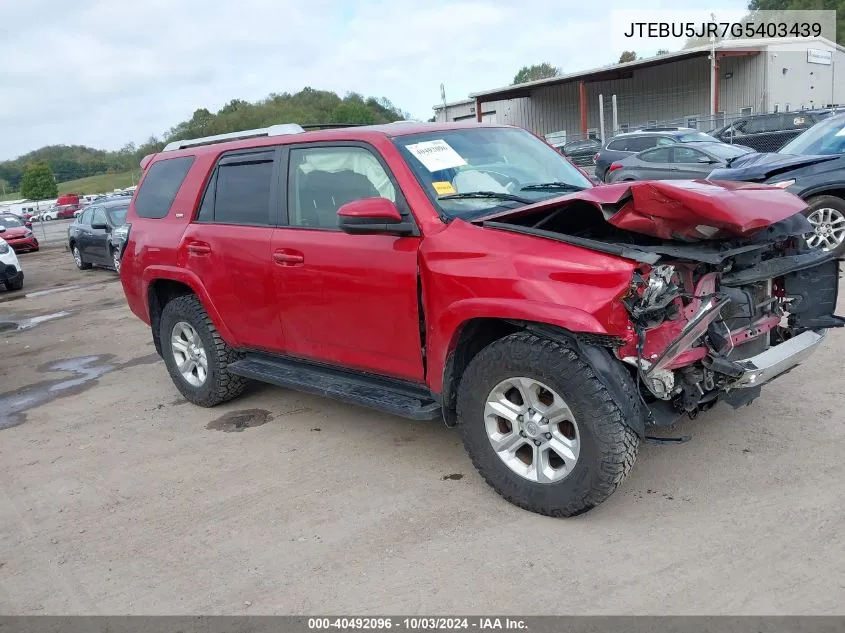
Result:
<point x="165" y="285"/>
<point x="477" y="333"/>
<point x="837" y="191"/>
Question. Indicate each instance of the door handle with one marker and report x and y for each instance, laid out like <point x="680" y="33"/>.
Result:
<point x="288" y="257"/>
<point x="199" y="248"/>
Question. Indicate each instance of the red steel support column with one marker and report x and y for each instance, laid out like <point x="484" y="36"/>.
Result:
<point x="582" y="90"/>
<point x="477" y="110"/>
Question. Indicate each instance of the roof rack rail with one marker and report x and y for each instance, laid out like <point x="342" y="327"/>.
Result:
<point x="330" y="126"/>
<point x="273" y="130"/>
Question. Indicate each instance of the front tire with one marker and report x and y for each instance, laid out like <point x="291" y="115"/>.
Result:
<point x="195" y="355"/>
<point x="827" y="215"/>
<point x="542" y="429"/>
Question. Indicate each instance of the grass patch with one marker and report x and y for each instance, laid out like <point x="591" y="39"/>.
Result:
<point x="101" y="183"/>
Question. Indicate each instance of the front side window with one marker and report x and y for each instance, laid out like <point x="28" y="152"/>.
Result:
<point x="85" y="218"/>
<point x="10" y="221"/>
<point x="688" y="155"/>
<point x="322" y="179"/>
<point x="99" y="216"/>
<point x="473" y="171"/>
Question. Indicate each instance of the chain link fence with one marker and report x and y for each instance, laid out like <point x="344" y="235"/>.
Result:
<point x="761" y="132"/>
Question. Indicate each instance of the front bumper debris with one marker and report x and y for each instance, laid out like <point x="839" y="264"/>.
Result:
<point x="777" y="360"/>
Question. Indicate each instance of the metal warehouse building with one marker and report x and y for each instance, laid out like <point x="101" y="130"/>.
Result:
<point x="751" y="76"/>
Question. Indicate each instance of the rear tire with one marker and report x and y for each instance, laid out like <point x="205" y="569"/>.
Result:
<point x="81" y="264"/>
<point x="15" y="285"/>
<point x="217" y="385"/>
<point x="602" y="445"/>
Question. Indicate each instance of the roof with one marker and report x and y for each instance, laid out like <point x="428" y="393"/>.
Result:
<point x="354" y="133"/>
<point x="615" y="71"/>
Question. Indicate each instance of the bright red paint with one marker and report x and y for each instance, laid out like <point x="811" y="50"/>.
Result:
<point x="359" y="301"/>
<point x="675" y="208"/>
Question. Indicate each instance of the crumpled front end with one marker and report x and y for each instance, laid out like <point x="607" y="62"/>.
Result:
<point x="726" y="295"/>
<point x="710" y="332"/>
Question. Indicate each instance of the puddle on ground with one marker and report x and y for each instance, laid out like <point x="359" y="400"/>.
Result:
<point x="10" y="325"/>
<point x="240" y="420"/>
<point x="86" y="369"/>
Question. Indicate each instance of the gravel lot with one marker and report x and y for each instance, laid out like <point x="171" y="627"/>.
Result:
<point x="118" y="497"/>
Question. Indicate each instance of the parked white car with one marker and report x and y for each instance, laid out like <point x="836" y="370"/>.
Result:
<point x="11" y="273"/>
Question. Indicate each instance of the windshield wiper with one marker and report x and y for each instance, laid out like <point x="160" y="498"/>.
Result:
<point x="552" y="186"/>
<point x="494" y="195"/>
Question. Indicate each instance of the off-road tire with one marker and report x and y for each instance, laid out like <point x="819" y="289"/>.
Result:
<point x="820" y="202"/>
<point x="608" y="442"/>
<point x="77" y="258"/>
<point x="220" y="385"/>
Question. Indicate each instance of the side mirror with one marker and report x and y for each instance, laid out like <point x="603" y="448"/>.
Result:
<point x="706" y="161"/>
<point x="372" y="216"/>
<point x="2" y="229"/>
<point x="28" y="225"/>
<point x="100" y="225"/>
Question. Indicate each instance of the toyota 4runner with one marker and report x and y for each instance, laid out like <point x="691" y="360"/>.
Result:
<point x="470" y="272"/>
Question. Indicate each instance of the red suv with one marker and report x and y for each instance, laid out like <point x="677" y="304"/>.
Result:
<point x="469" y="271"/>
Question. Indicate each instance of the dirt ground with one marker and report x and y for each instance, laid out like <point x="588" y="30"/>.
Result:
<point x="118" y="497"/>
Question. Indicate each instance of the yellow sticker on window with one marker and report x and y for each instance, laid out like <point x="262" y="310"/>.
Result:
<point x="442" y="187"/>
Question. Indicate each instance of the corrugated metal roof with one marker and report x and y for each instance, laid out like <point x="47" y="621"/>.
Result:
<point x="613" y="70"/>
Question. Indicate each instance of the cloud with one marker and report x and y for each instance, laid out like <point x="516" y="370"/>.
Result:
<point x="106" y="72"/>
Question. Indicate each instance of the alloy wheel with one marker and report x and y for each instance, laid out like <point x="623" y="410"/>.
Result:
<point x="532" y="430"/>
<point x="189" y="353"/>
<point x="828" y="229"/>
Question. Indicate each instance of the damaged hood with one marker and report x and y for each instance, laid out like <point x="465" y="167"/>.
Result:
<point x="764" y="166"/>
<point x="684" y="210"/>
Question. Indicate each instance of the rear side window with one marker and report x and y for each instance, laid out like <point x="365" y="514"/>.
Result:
<point x="161" y="184"/>
<point x="656" y="155"/>
<point x="620" y="145"/>
<point x="239" y="191"/>
<point x="639" y="143"/>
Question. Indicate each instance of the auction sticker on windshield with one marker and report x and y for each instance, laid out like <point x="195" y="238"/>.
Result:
<point x="443" y="187"/>
<point x="436" y="155"/>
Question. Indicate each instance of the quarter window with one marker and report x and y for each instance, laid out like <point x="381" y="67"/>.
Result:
<point x="322" y="179"/>
<point x="160" y="186"/>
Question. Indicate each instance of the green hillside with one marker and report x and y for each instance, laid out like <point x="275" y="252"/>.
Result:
<point x="101" y="183"/>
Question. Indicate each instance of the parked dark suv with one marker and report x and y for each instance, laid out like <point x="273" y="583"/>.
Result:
<point x="623" y="145"/>
<point x="470" y="271"/>
<point x="769" y="132"/>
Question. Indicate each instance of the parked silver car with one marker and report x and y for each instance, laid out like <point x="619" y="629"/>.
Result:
<point x="682" y="161"/>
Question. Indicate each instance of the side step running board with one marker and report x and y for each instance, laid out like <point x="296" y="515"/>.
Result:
<point x="384" y="394"/>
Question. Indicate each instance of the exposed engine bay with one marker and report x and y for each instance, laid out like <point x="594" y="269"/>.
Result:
<point x="711" y="317"/>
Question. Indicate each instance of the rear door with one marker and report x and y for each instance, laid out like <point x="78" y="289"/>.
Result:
<point x="655" y="164"/>
<point x="228" y="246"/>
<point x="82" y="231"/>
<point x="346" y="300"/>
<point x="97" y="241"/>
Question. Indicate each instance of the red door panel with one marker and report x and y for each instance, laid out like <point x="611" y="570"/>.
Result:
<point x="349" y="300"/>
<point x="235" y="265"/>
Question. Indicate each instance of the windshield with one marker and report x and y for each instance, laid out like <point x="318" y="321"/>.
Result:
<point x="511" y="165"/>
<point x="723" y="150"/>
<point x="118" y="215"/>
<point x="8" y="221"/>
<point x="697" y="136"/>
<point x="826" y="137"/>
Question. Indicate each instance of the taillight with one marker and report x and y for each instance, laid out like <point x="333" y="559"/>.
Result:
<point x="614" y="166"/>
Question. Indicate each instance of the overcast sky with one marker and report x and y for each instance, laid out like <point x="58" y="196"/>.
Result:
<point x="106" y="72"/>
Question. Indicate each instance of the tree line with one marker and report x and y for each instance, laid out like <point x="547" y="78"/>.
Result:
<point x="69" y="162"/>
